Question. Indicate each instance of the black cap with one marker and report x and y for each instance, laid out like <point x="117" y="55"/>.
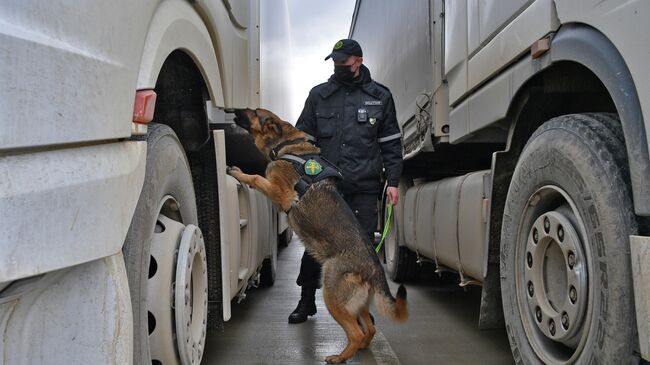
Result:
<point x="344" y="49"/>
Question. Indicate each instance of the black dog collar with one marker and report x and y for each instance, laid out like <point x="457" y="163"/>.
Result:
<point x="276" y="150"/>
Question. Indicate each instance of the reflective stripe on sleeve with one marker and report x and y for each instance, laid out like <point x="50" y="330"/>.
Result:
<point x="389" y="138"/>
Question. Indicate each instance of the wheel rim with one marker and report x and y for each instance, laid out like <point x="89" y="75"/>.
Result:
<point x="552" y="279"/>
<point x="191" y="296"/>
<point x="177" y="256"/>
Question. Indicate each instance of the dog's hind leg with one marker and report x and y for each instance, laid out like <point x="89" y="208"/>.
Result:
<point x="369" y="327"/>
<point x="350" y="325"/>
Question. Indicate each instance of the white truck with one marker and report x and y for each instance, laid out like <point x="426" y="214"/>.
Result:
<point x="122" y="240"/>
<point x="525" y="126"/>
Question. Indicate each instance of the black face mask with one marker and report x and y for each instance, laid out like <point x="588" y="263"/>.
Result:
<point x="343" y="73"/>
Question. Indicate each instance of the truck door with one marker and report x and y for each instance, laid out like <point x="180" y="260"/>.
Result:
<point x="482" y="37"/>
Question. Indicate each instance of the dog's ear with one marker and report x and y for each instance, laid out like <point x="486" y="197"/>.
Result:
<point x="242" y="118"/>
<point x="277" y="129"/>
<point x="261" y="119"/>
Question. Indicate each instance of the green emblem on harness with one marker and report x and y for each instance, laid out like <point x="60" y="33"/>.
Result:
<point x="312" y="167"/>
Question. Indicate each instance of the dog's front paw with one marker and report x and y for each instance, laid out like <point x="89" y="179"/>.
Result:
<point x="334" y="359"/>
<point x="233" y="170"/>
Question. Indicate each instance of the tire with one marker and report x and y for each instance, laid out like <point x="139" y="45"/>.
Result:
<point x="566" y="280"/>
<point x="268" y="271"/>
<point x="270" y="264"/>
<point x="204" y="172"/>
<point x="405" y="266"/>
<point x="401" y="263"/>
<point x="167" y="191"/>
<point x="285" y="237"/>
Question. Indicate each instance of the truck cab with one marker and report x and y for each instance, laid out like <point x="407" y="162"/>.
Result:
<point x="124" y="241"/>
<point x="526" y="162"/>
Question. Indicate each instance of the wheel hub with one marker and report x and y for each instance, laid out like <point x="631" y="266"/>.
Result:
<point x="160" y="289"/>
<point x="555" y="277"/>
<point x="177" y="296"/>
<point x="191" y="296"/>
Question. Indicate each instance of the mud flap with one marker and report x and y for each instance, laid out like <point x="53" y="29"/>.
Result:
<point x="640" y="256"/>
<point x="228" y="222"/>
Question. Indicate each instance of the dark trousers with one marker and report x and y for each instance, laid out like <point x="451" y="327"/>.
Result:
<point x="364" y="207"/>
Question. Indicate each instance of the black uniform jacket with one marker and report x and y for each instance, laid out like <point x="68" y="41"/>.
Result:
<point x="356" y="128"/>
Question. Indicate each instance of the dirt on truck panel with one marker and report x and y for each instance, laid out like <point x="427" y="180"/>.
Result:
<point x="441" y="329"/>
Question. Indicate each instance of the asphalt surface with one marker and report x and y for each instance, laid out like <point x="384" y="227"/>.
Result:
<point x="442" y="327"/>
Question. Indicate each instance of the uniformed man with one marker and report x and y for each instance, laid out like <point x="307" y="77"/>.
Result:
<point x="352" y="119"/>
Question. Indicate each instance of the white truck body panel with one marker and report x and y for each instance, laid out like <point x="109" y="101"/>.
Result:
<point x="490" y="102"/>
<point x="515" y="39"/>
<point x="46" y="46"/>
<point x="496" y="49"/>
<point x="487" y="17"/>
<point x="396" y="51"/>
<point x="77" y="315"/>
<point x="275" y="32"/>
<point x="231" y="40"/>
<point x="455" y="66"/>
<point x="386" y="51"/>
<point x="66" y="207"/>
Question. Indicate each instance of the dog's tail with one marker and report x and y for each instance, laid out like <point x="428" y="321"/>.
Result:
<point x="393" y="308"/>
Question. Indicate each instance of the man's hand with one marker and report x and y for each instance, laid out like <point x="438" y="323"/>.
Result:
<point x="392" y="194"/>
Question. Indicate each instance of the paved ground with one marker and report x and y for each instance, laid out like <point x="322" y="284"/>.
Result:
<point x="441" y="328"/>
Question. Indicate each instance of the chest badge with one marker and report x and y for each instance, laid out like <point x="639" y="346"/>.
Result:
<point x="312" y="167"/>
<point x="372" y="120"/>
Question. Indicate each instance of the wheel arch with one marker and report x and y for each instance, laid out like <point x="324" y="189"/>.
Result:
<point x="577" y="52"/>
<point x="177" y="27"/>
<point x="588" y="53"/>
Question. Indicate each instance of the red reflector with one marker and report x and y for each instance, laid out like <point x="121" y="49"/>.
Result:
<point x="145" y="103"/>
<point x="540" y="47"/>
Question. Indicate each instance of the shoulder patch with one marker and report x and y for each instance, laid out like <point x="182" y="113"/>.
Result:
<point x="312" y="167"/>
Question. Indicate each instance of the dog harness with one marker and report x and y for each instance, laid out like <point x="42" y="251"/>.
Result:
<point x="312" y="168"/>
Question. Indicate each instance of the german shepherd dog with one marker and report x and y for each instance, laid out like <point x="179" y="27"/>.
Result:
<point x="352" y="273"/>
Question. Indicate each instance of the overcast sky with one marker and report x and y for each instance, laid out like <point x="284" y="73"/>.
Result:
<point x="296" y="35"/>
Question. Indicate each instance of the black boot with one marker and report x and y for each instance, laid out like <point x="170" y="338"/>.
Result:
<point x="306" y="306"/>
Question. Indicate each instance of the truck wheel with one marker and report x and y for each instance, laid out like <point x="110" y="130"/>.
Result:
<point x="204" y="172"/>
<point x="165" y="259"/>
<point x="285" y="237"/>
<point x="269" y="267"/>
<point x="566" y="279"/>
<point x="401" y="263"/>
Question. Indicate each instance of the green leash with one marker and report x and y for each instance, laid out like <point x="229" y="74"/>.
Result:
<point x="387" y="226"/>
